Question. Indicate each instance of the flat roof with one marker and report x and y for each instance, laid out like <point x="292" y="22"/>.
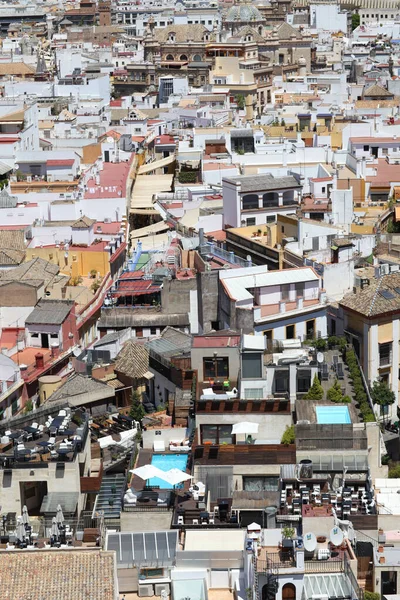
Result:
<point x="214" y="540"/>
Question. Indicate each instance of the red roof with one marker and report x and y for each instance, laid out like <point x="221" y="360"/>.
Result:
<point x="320" y="179"/>
<point x="112" y="184"/>
<point x="137" y="287"/>
<point x="107" y="228"/>
<point x="115" y="103"/>
<point x="67" y="162"/>
<point x="164" y="139"/>
<point x="9" y="140"/>
<point x="118" y="251"/>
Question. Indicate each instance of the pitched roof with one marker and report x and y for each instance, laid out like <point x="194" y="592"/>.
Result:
<point x="133" y="360"/>
<point x="79" y="384"/>
<point x="83" y="223"/>
<point x="8" y="256"/>
<point x="16" y="68"/>
<point x="65" y="574"/>
<point x="377" y="91"/>
<point x="35" y="269"/>
<point x="377" y="298"/>
<point x="12" y="238"/>
<point x="49" y="312"/>
<point x="286" y="31"/>
<point x="183" y="33"/>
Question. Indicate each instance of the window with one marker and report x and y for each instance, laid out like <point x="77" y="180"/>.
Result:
<point x="139" y="331"/>
<point x="285" y="289"/>
<point x="310" y="329"/>
<point x="290" y="332"/>
<point x="269" y="335"/>
<point x="388" y="583"/>
<point x="216" y="367"/>
<point x="251" y="222"/>
<point x="303" y="381"/>
<point x="300" y="289"/>
<point x="366" y="148"/>
<point x="54" y="336"/>
<point x="153" y="330"/>
<point x="34" y="335"/>
<point x="261" y="484"/>
<point x="271" y="218"/>
<point x="385" y="354"/>
<point x="216" y="434"/>
<point x="323" y="189"/>
<point x="251" y="365"/>
<point x="250" y="201"/>
<point x="282" y="381"/>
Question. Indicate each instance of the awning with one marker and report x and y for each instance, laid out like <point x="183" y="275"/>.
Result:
<point x="157" y="164"/>
<point x="4" y="168"/>
<point x="148" y="375"/>
<point x="245" y="427"/>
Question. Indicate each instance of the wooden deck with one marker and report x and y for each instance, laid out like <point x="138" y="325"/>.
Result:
<point x="245" y="454"/>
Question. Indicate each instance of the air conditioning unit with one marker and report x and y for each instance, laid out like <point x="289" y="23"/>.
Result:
<point x="107" y="220"/>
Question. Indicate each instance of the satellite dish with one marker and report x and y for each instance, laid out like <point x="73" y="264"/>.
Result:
<point x="310" y="542"/>
<point x="16" y="166"/>
<point x="336" y="536"/>
<point x="320" y="358"/>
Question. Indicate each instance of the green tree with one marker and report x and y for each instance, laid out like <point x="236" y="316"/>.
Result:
<point x="288" y="436"/>
<point x="371" y="595"/>
<point x="355" y="21"/>
<point x="137" y="410"/>
<point x="240" y="101"/>
<point x="394" y="472"/>
<point x="29" y="406"/>
<point x="316" y="391"/>
<point x="334" y="394"/>
<point x="381" y="394"/>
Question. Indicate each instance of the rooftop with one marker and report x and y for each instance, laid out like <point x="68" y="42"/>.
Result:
<point x="254" y="183"/>
<point x="112" y="178"/>
<point x="50" y="312"/>
<point x="65" y="575"/>
<point x="381" y="296"/>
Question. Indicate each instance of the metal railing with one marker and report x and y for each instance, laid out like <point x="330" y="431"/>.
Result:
<point x="277" y="560"/>
<point x="324" y="566"/>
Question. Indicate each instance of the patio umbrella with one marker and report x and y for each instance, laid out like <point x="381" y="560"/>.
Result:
<point x="148" y="472"/>
<point x="20" y="533"/>
<point x="59" y="515"/>
<point x="175" y="476"/>
<point x="54" y="528"/>
<point x="25" y="516"/>
<point x="245" y="427"/>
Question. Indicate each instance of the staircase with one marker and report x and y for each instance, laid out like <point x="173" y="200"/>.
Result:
<point x="109" y="499"/>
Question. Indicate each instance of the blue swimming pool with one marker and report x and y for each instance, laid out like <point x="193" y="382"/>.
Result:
<point x="332" y="415"/>
<point x="165" y="462"/>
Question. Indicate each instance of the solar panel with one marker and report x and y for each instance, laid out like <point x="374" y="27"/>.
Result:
<point x="150" y="549"/>
<point x="386" y="294"/>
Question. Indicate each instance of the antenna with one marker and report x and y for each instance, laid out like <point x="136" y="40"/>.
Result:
<point x="336" y="536"/>
<point x="310" y="541"/>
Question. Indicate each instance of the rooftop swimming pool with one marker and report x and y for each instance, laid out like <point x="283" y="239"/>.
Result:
<point x="165" y="462"/>
<point x="332" y="415"/>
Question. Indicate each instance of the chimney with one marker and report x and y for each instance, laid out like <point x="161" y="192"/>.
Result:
<point x="63" y="292"/>
<point x="380" y="548"/>
<point x="381" y="560"/>
<point x="39" y="361"/>
<point x="55" y="349"/>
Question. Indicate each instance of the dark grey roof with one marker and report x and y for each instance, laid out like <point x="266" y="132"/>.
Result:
<point x="49" y="312"/>
<point x="79" y="384"/>
<point x="255" y="183"/>
<point x="241" y="133"/>
<point x="109" y="338"/>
